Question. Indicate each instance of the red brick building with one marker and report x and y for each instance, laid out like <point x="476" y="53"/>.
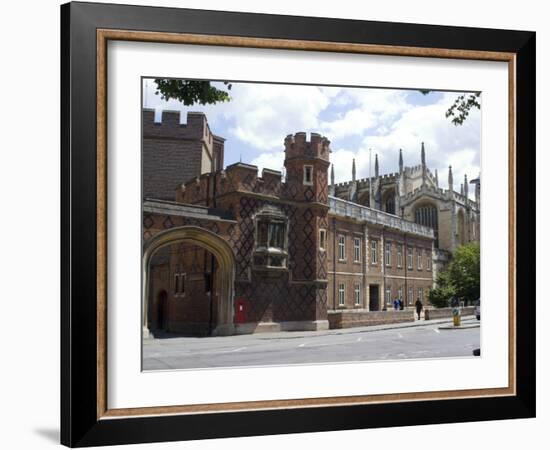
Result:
<point x="236" y="251"/>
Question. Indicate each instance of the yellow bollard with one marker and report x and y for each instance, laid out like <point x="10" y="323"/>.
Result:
<point x="456" y="317"/>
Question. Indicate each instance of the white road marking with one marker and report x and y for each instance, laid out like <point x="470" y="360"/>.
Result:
<point x="236" y="350"/>
<point x="436" y="330"/>
<point x="301" y="345"/>
<point x="358" y="339"/>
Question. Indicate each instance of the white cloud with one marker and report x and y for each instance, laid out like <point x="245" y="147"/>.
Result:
<point x="264" y="114"/>
<point x="372" y="108"/>
<point x="445" y="143"/>
<point x="259" y="116"/>
<point x="342" y="160"/>
<point x="273" y="160"/>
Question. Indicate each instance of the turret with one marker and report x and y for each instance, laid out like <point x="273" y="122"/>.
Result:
<point x="353" y="170"/>
<point x="465" y="186"/>
<point x="400" y="161"/>
<point x="306" y="164"/>
<point x="376" y="172"/>
<point x="436" y="179"/>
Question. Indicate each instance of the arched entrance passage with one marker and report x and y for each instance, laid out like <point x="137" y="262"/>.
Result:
<point x="226" y="270"/>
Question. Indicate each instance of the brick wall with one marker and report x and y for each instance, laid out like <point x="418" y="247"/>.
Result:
<point x="383" y="275"/>
<point x="174" y="153"/>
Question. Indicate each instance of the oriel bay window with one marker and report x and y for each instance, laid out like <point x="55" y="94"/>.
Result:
<point x="271" y="242"/>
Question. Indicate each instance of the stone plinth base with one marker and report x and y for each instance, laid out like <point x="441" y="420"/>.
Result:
<point x="269" y="327"/>
<point x="443" y="313"/>
<point x="362" y="318"/>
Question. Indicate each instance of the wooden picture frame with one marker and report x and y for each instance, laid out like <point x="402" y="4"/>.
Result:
<point x="85" y="416"/>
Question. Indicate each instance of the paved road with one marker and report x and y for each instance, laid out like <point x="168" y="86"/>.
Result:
<point x="426" y="341"/>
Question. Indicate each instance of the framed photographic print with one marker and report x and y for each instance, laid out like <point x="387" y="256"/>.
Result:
<point x="278" y="224"/>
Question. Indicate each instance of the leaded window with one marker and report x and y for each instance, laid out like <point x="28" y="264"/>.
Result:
<point x="427" y="216"/>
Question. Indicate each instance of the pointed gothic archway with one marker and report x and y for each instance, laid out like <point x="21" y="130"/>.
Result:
<point x="226" y="271"/>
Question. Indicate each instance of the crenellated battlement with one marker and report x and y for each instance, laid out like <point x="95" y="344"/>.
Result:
<point x="424" y="189"/>
<point x="364" y="182"/>
<point x="413" y="170"/>
<point x="389" y="176"/>
<point x="237" y="177"/>
<point x="175" y="152"/>
<point x="297" y="146"/>
<point x="169" y="124"/>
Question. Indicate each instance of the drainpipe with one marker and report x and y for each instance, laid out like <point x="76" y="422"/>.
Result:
<point x="211" y="287"/>
<point x="406" y="251"/>
<point x="207" y="200"/>
<point x="215" y="174"/>
<point x="365" y="265"/>
<point x="334" y="263"/>
<point x="383" y="263"/>
<point x="212" y="260"/>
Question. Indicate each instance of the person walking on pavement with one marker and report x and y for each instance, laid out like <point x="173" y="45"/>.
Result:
<point x="396" y="304"/>
<point x="419" y="307"/>
<point x="401" y="307"/>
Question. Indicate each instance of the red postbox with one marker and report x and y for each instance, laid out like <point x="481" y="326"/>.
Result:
<point x="241" y="307"/>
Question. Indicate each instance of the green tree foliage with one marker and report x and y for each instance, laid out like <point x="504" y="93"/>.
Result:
<point x="464" y="272"/>
<point x="190" y="92"/>
<point x="461" y="280"/>
<point x="461" y="107"/>
<point x="440" y="296"/>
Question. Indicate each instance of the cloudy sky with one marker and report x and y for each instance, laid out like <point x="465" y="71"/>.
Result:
<point x="259" y="116"/>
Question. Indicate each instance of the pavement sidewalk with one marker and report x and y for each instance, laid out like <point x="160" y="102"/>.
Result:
<point x="468" y="322"/>
<point x="391" y="326"/>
